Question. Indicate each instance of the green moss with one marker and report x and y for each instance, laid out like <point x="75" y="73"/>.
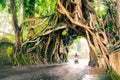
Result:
<point x="9" y="51"/>
<point x="7" y="39"/>
<point x="114" y="75"/>
<point x="6" y="52"/>
<point x="25" y="59"/>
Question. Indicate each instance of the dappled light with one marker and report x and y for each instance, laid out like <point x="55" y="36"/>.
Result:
<point x="5" y="24"/>
<point x="82" y="63"/>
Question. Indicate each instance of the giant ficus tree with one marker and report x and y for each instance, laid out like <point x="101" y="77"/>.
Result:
<point x="73" y="16"/>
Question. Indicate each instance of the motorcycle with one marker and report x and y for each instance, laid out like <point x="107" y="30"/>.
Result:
<point x="76" y="59"/>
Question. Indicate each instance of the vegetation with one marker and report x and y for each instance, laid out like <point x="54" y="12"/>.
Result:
<point x="40" y="31"/>
<point x="114" y="75"/>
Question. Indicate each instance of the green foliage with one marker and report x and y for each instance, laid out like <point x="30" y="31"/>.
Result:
<point x="25" y="31"/>
<point x="1" y="7"/>
<point x="19" y="59"/>
<point x="6" y="52"/>
<point x="7" y="39"/>
<point x="45" y="7"/>
<point x="78" y="38"/>
<point x="41" y="9"/>
<point x="104" y="12"/>
<point x="64" y="32"/>
<point x="24" y="59"/>
<point x="18" y="5"/>
<point x="29" y="7"/>
<point x="9" y="51"/>
<point x="101" y="10"/>
<point x="109" y="27"/>
<point x="29" y="60"/>
<point x="30" y="45"/>
<point x="114" y="75"/>
<point x="40" y="29"/>
<point x="91" y="0"/>
<point x="2" y="4"/>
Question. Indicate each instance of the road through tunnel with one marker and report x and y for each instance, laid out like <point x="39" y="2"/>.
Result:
<point x="80" y="49"/>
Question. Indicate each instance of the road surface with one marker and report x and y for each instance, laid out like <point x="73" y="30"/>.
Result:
<point x="65" y="71"/>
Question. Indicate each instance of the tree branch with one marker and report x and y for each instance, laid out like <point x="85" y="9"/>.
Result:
<point x="50" y="31"/>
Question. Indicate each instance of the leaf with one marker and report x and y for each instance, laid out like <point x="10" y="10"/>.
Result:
<point x="64" y="32"/>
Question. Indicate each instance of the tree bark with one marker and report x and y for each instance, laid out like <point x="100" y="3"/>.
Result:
<point x="118" y="14"/>
<point x="17" y="29"/>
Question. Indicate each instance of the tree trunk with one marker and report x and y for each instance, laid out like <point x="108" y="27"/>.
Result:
<point x="23" y="7"/>
<point x="118" y="14"/>
<point x="17" y="29"/>
<point x="93" y="58"/>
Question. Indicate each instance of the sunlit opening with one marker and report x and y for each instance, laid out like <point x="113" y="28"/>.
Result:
<point x="81" y="48"/>
<point x="5" y="24"/>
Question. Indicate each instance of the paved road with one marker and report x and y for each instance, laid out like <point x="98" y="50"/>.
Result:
<point x="66" y="71"/>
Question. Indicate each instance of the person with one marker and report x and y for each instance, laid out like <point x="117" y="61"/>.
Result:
<point x="76" y="58"/>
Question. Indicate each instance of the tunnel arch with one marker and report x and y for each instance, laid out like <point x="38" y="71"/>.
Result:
<point x="82" y="23"/>
<point x="80" y="48"/>
<point x="71" y="36"/>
